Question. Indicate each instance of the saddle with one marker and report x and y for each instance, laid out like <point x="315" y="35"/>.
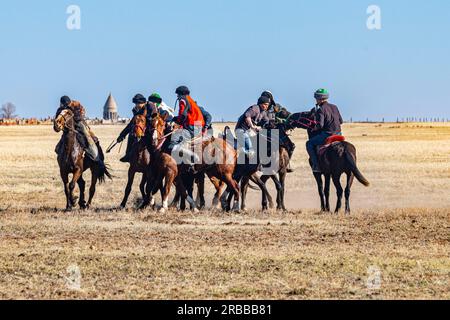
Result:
<point x="330" y="141"/>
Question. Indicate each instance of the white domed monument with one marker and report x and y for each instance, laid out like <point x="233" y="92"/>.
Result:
<point x="110" y="110"/>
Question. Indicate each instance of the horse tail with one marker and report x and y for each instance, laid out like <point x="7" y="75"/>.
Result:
<point x="103" y="172"/>
<point x="354" y="168"/>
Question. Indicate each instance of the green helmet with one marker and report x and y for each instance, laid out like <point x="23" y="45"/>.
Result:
<point x="322" y="94"/>
<point x="155" y="98"/>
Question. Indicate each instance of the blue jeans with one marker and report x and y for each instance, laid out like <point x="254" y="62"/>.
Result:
<point x="248" y="144"/>
<point x="312" y="144"/>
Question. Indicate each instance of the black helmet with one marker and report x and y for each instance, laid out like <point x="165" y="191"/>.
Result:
<point x="267" y="94"/>
<point x="183" y="91"/>
<point x="65" y="101"/>
<point x="263" y="100"/>
<point x="139" y="98"/>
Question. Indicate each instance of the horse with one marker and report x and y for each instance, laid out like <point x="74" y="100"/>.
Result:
<point x="244" y="173"/>
<point x="336" y="157"/>
<point x="71" y="160"/>
<point x="220" y="169"/>
<point x="139" y="158"/>
<point x="163" y="170"/>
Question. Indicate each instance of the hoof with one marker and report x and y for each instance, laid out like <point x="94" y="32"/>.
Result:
<point x="162" y="210"/>
<point x="196" y="210"/>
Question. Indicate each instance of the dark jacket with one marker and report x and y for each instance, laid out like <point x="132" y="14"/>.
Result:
<point x="207" y="116"/>
<point x="329" y="118"/>
<point x="258" y="116"/>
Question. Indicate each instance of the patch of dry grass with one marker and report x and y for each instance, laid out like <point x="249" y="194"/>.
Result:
<point x="303" y="254"/>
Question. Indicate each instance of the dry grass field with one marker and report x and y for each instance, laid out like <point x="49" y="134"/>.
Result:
<point x="396" y="243"/>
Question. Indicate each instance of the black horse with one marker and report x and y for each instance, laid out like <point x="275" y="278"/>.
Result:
<point x="335" y="158"/>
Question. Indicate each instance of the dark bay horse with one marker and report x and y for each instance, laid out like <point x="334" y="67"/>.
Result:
<point x="139" y="158"/>
<point x="335" y="158"/>
<point x="72" y="160"/>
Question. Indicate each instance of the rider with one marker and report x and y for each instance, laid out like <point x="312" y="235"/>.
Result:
<point x="272" y="106"/>
<point x="162" y="107"/>
<point x="85" y="135"/>
<point x="139" y="107"/>
<point x="191" y="120"/>
<point x="248" y="123"/>
<point x="329" y="123"/>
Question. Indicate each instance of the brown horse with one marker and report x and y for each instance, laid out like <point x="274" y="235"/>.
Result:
<point x="163" y="170"/>
<point x="336" y="159"/>
<point x="139" y="158"/>
<point x="71" y="160"/>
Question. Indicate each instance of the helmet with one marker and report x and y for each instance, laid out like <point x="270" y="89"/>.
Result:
<point x="155" y="98"/>
<point x="322" y="94"/>
<point x="263" y="100"/>
<point x="139" y="98"/>
<point x="65" y="101"/>
<point x="183" y="91"/>
<point x="267" y="94"/>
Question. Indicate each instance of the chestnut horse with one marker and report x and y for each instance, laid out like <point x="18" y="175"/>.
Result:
<point x="71" y="160"/>
<point x="163" y="171"/>
<point x="220" y="167"/>
<point x="139" y="157"/>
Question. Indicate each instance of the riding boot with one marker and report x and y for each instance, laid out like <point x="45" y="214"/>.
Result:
<point x="90" y="145"/>
<point x="126" y="158"/>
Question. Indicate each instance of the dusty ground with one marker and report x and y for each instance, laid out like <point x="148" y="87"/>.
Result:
<point x="394" y="245"/>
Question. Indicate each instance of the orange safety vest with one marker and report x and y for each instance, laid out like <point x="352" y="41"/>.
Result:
<point x="191" y="113"/>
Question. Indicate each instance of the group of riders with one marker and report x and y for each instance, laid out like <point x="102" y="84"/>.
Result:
<point x="266" y="113"/>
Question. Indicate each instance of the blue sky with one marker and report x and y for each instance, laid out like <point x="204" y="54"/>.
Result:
<point x="228" y="52"/>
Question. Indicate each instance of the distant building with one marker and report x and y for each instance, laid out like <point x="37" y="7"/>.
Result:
<point x="110" y="110"/>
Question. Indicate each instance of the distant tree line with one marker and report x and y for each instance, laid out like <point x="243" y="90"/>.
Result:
<point x="405" y="120"/>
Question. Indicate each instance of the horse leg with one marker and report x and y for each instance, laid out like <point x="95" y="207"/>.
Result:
<point x="350" y="178"/>
<point x="339" y="191"/>
<point x="131" y="175"/>
<point x="279" y="188"/>
<point x="65" y="179"/>
<point x="76" y="176"/>
<point x="265" y="193"/>
<point x="244" y="188"/>
<point x="218" y="185"/>
<point x="143" y="184"/>
<point x="318" y="177"/>
<point x="283" y="187"/>
<point x="82" y="186"/>
<point x="176" y="199"/>
<point x="264" y="180"/>
<point x="92" y="188"/>
<point x="234" y="188"/>
<point x="169" y="180"/>
<point x="201" y="192"/>
<point x="184" y="195"/>
<point x="327" y="192"/>
<point x="225" y="199"/>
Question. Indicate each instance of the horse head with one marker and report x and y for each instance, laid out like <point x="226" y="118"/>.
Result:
<point x="62" y="120"/>
<point x="302" y="120"/>
<point x="140" y="125"/>
<point x="158" y="126"/>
